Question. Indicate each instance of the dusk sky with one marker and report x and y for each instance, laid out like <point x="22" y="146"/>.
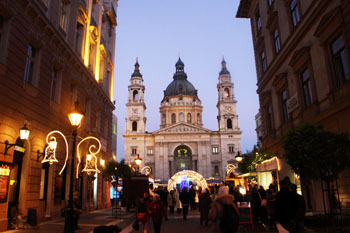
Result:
<point x="201" y="32"/>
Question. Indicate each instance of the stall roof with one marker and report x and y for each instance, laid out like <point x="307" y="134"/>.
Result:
<point x="248" y="174"/>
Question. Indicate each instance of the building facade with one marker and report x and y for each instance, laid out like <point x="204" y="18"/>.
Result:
<point x="182" y="143"/>
<point x="301" y="53"/>
<point x="53" y="55"/>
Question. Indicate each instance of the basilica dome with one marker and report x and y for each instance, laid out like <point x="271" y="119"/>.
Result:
<point x="180" y="85"/>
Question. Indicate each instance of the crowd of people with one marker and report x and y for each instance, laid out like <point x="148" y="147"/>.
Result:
<point x="281" y="211"/>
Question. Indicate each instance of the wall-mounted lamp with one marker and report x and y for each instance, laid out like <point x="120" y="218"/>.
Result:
<point x="23" y="135"/>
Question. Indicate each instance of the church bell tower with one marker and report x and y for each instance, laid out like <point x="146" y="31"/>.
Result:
<point x="227" y="115"/>
<point x="136" y="108"/>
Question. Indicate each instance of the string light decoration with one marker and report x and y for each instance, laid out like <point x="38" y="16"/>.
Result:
<point x="198" y="178"/>
<point x="91" y="158"/>
<point x="50" y="150"/>
<point x="147" y="170"/>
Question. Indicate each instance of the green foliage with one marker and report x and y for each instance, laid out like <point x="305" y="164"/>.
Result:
<point x="252" y="158"/>
<point x="114" y="170"/>
<point x="315" y="153"/>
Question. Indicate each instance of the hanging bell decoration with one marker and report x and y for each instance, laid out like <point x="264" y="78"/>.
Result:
<point x="50" y="152"/>
<point x="90" y="164"/>
<point x="90" y="158"/>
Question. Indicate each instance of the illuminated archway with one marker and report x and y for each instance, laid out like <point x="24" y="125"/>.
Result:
<point x="198" y="178"/>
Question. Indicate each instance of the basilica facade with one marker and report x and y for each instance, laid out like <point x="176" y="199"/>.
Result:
<point x="182" y="143"/>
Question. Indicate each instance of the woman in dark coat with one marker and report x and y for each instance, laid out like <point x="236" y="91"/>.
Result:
<point x="204" y="206"/>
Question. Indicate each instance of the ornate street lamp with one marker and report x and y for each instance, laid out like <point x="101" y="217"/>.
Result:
<point x="75" y="119"/>
<point x="239" y="157"/>
<point x="138" y="162"/>
<point x="23" y="135"/>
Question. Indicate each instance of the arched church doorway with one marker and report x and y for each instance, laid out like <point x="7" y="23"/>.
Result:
<point x="184" y="179"/>
<point x="182" y="158"/>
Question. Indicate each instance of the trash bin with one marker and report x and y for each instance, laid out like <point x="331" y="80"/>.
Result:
<point x="31" y="217"/>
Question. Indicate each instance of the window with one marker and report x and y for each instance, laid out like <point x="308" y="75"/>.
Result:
<point x="340" y="61"/>
<point x="134" y="126"/>
<point x="284" y="105"/>
<point x="133" y="151"/>
<point x="306" y="86"/>
<point x="79" y="36"/>
<point x="263" y="61"/>
<point x="43" y="181"/>
<point x="63" y="14"/>
<point x="1" y="27"/>
<point x="229" y="123"/>
<point x="294" y="11"/>
<point x="215" y="149"/>
<point x="231" y="149"/>
<point x="258" y="21"/>
<point x="227" y="93"/>
<point x="276" y="40"/>
<point x="163" y="119"/>
<point x="150" y="151"/>
<point x="30" y="62"/>
<point x="270" y="2"/>
<point x="181" y="117"/>
<point x="135" y="95"/>
<point x="189" y="118"/>
<point x="173" y="118"/>
<point x="269" y="118"/>
<point x="216" y="170"/>
<point x="114" y="129"/>
<point x="55" y="86"/>
<point x="199" y="118"/>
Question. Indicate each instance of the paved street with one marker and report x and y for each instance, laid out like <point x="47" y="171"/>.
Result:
<point x="87" y="222"/>
<point x="175" y="224"/>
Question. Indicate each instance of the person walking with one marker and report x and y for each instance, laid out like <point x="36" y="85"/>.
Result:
<point x="299" y="215"/>
<point x="225" y="212"/>
<point x="157" y="211"/>
<point x="271" y="205"/>
<point x="185" y="198"/>
<point x="177" y="201"/>
<point x="141" y="214"/>
<point x="192" y="193"/>
<point x="77" y="209"/>
<point x="171" y="201"/>
<point x="285" y="206"/>
<point x="204" y="206"/>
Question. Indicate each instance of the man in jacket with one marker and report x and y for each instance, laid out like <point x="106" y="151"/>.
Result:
<point x="185" y="198"/>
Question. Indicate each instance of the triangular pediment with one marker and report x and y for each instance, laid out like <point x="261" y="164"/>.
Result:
<point x="182" y="128"/>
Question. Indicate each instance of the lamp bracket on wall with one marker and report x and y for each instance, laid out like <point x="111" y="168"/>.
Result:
<point x="40" y="154"/>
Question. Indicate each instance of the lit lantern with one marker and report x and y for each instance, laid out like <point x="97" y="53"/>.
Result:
<point x="239" y="157"/>
<point x="24" y="133"/>
<point x="76" y="116"/>
<point x="138" y="160"/>
<point x="102" y="162"/>
<point x="5" y="170"/>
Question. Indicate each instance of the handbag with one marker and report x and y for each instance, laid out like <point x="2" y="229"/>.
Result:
<point x="141" y="217"/>
<point x="136" y="226"/>
<point x="263" y="201"/>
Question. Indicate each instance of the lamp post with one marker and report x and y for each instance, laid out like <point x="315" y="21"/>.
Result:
<point x="239" y="157"/>
<point x="138" y="162"/>
<point x="75" y="119"/>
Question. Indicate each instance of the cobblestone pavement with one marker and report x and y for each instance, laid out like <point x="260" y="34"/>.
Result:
<point x="87" y="222"/>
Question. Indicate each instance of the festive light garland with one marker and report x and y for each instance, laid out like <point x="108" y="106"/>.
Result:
<point x="91" y="159"/>
<point x="191" y="174"/>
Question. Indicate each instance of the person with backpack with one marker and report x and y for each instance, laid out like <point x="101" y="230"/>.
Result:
<point x="157" y="211"/>
<point x="225" y="212"/>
